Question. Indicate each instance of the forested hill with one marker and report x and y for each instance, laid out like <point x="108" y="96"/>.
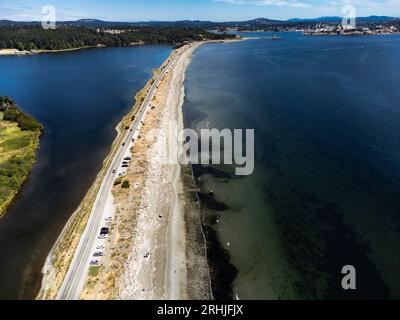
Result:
<point x="19" y="140"/>
<point x="66" y="37"/>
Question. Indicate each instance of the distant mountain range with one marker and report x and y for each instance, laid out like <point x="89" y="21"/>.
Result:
<point x="203" y="24"/>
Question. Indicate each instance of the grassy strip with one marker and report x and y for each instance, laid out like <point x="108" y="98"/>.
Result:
<point x="19" y="141"/>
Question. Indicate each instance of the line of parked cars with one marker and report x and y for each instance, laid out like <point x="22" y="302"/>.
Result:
<point x="104" y="232"/>
<point x="126" y="161"/>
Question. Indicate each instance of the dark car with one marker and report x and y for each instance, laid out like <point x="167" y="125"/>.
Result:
<point x="104" y="231"/>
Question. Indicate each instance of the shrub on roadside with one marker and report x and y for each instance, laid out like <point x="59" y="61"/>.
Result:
<point x="125" y="184"/>
<point x="117" y="181"/>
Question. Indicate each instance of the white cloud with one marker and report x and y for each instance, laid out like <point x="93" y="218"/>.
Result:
<point x="278" y="3"/>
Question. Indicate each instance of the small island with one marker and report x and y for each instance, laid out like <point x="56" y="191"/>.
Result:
<point x="19" y="141"/>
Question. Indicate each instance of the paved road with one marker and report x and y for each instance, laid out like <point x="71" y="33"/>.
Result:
<point x="75" y="279"/>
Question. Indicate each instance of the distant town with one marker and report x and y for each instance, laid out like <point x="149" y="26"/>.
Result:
<point x="326" y="29"/>
<point x="330" y="29"/>
<point x="323" y="26"/>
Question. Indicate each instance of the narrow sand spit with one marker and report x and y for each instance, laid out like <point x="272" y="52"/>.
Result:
<point x="156" y="249"/>
<point x="157" y="267"/>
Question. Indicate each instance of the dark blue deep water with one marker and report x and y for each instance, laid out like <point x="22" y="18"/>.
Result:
<point x="80" y="98"/>
<point x="325" y="191"/>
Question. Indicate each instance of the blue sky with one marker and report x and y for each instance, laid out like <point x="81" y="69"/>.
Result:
<point x="216" y="10"/>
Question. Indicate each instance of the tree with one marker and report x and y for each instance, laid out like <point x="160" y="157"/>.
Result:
<point x="20" y="46"/>
<point x="12" y="113"/>
<point x="126" y="184"/>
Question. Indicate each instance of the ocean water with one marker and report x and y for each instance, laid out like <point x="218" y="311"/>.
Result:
<point x="79" y="97"/>
<point x="325" y="191"/>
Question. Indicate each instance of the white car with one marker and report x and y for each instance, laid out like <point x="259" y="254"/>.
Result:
<point x="94" y="262"/>
<point x="100" y="247"/>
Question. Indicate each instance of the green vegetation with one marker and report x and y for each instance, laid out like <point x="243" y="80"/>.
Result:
<point x="126" y="184"/>
<point x="34" y="37"/>
<point x="11" y="113"/>
<point x="94" y="271"/>
<point x="19" y="140"/>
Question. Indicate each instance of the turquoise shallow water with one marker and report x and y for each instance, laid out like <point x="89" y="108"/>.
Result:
<point x="79" y="97"/>
<point x="324" y="194"/>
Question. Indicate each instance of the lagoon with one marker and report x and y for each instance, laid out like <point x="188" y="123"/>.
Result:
<point x="79" y="97"/>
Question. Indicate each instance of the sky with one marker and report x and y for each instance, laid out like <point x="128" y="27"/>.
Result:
<point x="214" y="10"/>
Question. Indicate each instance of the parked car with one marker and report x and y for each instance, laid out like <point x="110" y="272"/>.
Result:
<point x="104" y="231"/>
<point x="94" y="263"/>
<point x="100" y="247"/>
<point x="98" y="254"/>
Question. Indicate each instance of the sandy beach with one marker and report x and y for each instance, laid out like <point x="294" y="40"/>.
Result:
<point x="157" y="265"/>
<point x="13" y="52"/>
